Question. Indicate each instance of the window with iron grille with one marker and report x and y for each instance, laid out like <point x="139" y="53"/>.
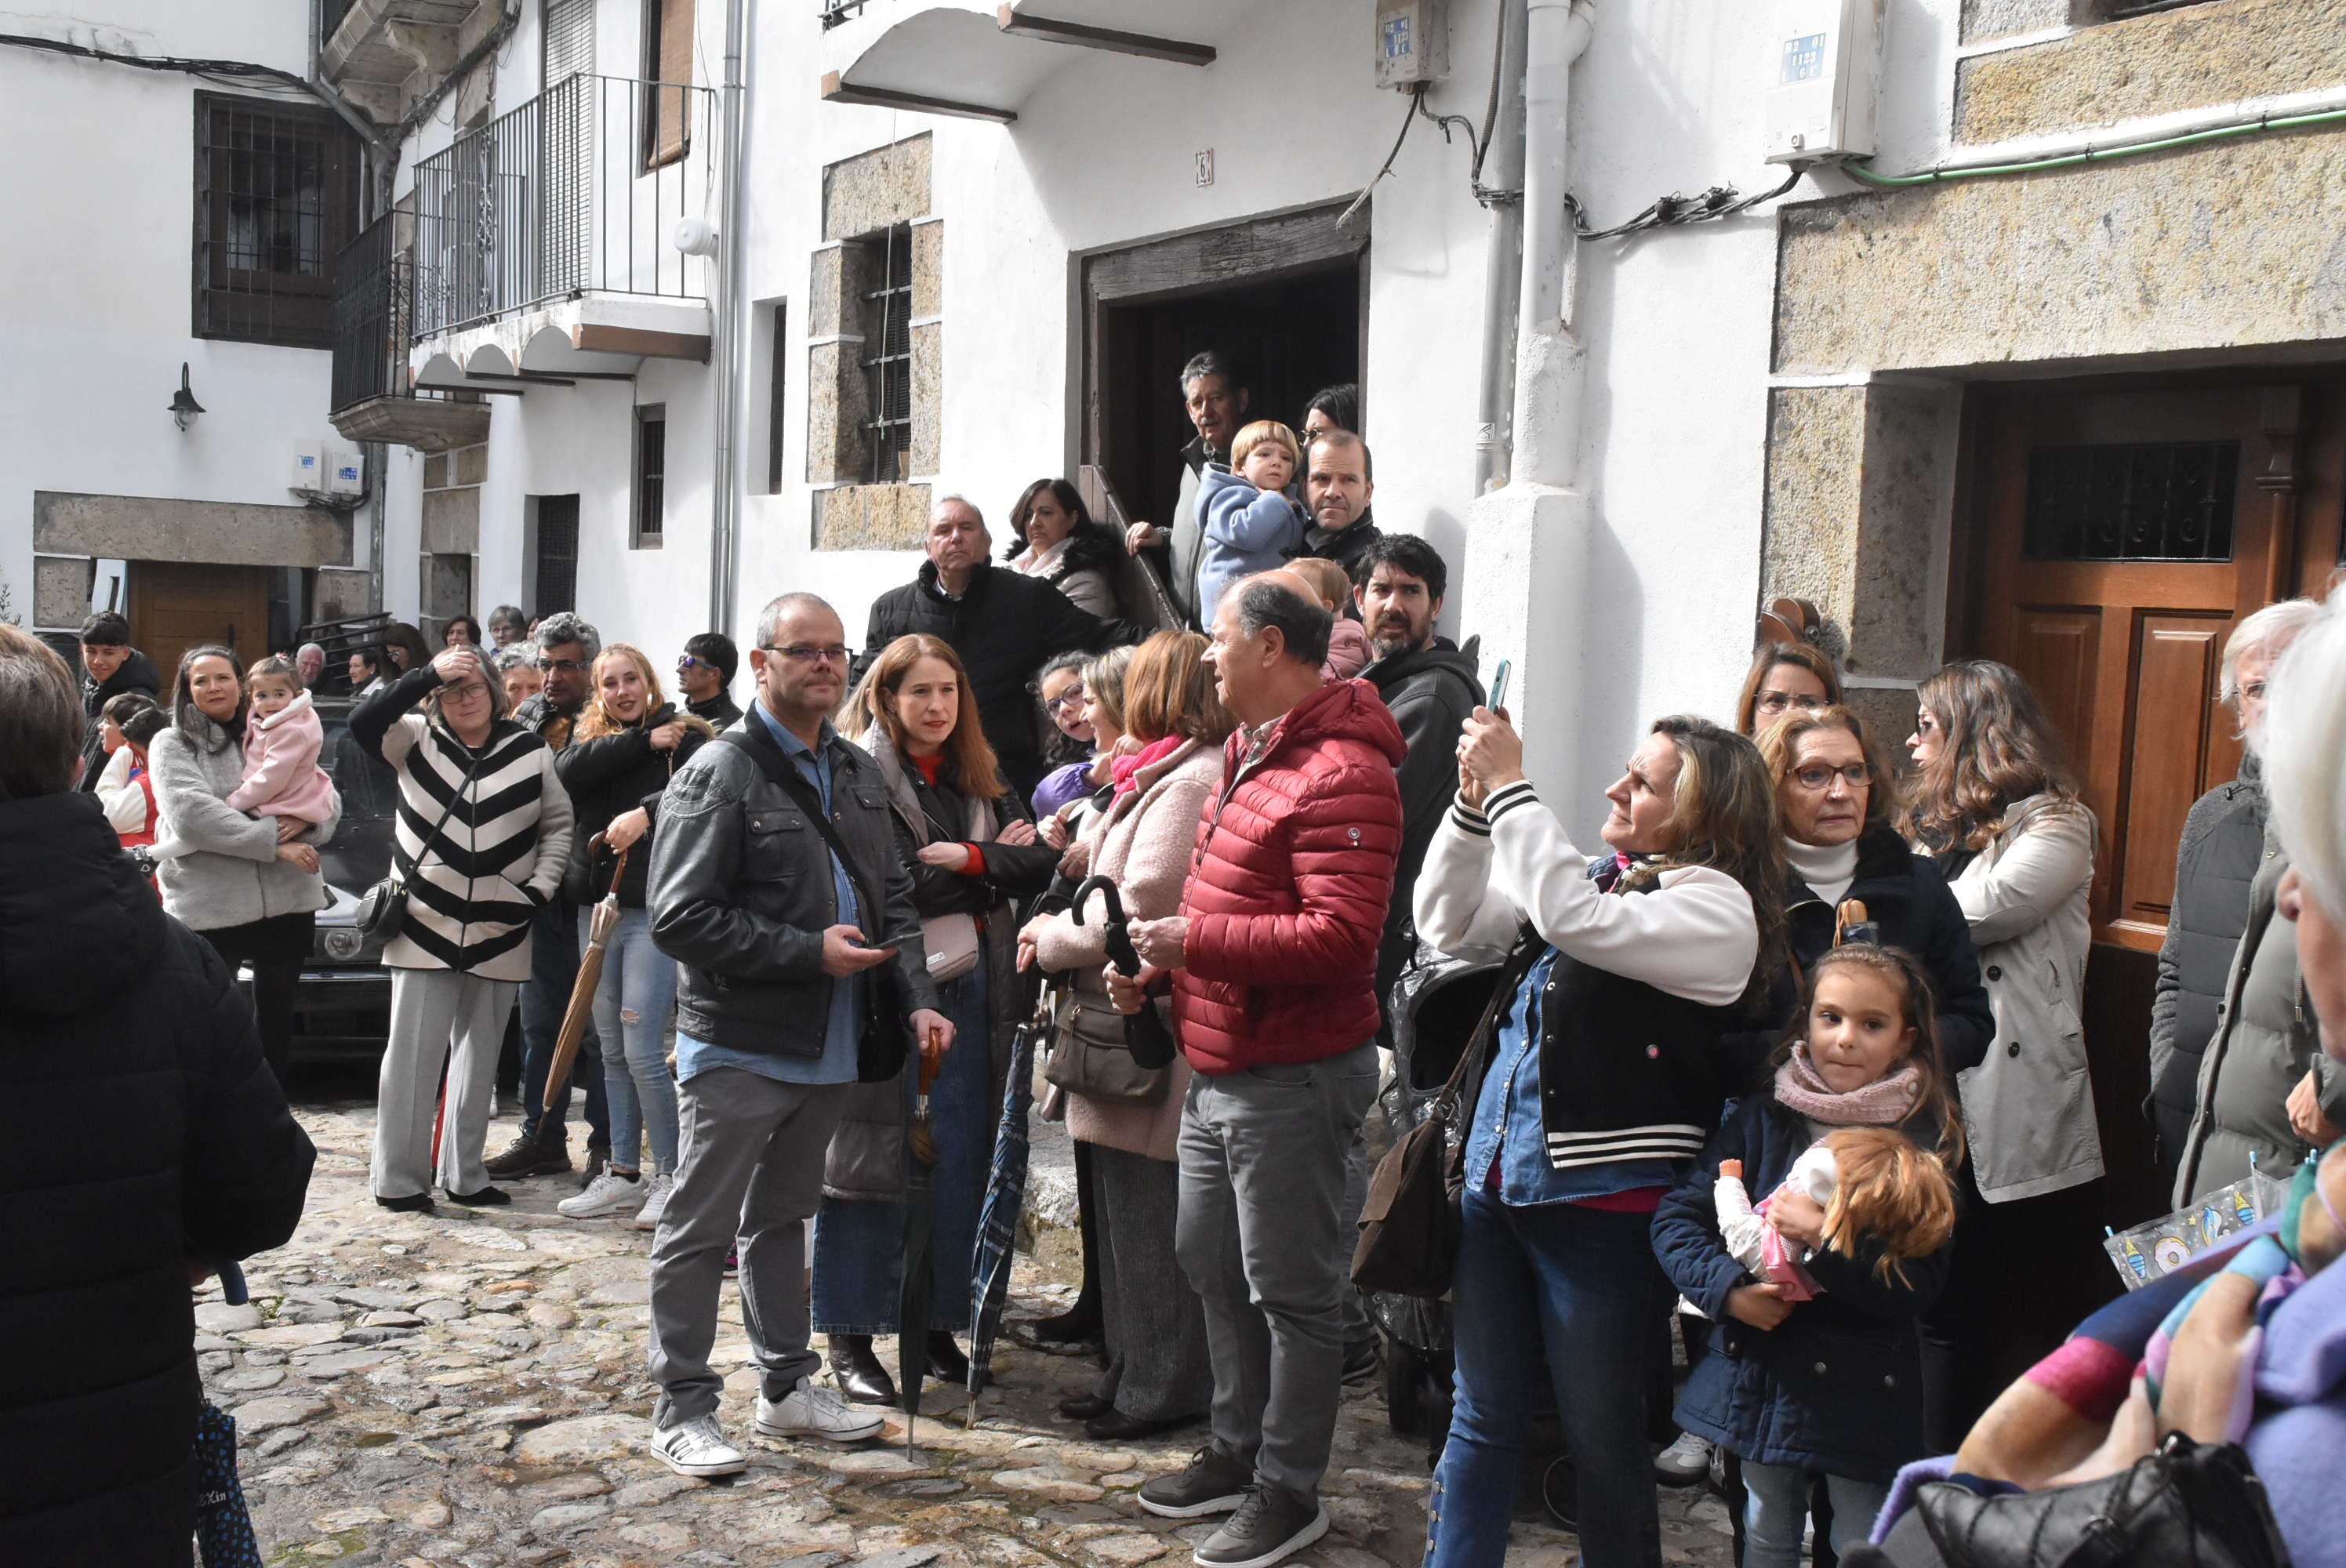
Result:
<point x="276" y="200"/>
<point x="2165" y="501"/>
<point x="774" y="399"/>
<point x="651" y="474"/>
<point x="556" y="581"/>
<point x="888" y="355"/>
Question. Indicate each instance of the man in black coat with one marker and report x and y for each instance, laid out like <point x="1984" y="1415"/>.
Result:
<point x="110" y="667"/>
<point x="1004" y="626"/>
<point x="112" y="1015"/>
<point x="1338" y="479"/>
<point x="1431" y="686"/>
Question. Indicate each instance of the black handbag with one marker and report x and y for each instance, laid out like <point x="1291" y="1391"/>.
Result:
<point x="1410" y="1222"/>
<point x="2188" y="1505"/>
<point x="383" y="908"/>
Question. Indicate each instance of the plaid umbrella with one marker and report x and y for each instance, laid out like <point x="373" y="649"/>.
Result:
<point x="1006" y="1197"/>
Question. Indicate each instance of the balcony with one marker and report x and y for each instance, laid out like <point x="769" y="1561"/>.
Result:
<point x="543" y="242"/>
<point x="374" y="397"/>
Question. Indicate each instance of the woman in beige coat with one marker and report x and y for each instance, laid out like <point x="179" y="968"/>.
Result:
<point x="1157" y="1376"/>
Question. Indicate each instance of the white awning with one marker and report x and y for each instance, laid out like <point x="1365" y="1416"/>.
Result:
<point x="980" y="61"/>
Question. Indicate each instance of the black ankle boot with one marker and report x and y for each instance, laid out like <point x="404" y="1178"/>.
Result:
<point x="861" y="1377"/>
<point x="947" y="1363"/>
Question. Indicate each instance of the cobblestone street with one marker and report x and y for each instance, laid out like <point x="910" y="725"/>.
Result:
<point x="469" y="1388"/>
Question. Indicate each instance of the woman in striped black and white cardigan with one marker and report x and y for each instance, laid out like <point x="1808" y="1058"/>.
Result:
<point x="474" y="882"/>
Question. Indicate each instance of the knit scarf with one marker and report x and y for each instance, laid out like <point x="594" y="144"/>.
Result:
<point x="1125" y="770"/>
<point x="1885" y="1102"/>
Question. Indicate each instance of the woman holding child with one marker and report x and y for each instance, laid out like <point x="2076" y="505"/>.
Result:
<point x="244" y="876"/>
<point x="1626" y="978"/>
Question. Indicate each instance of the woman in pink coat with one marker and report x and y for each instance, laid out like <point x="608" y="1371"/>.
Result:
<point x="1157" y="1375"/>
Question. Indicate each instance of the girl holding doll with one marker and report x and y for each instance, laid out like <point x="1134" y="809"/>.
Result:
<point x="1815" y="1365"/>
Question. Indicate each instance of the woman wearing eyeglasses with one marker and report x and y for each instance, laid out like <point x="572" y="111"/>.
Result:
<point x="1996" y="805"/>
<point x="1785" y="676"/>
<point x="483" y="836"/>
<point x="1072" y="750"/>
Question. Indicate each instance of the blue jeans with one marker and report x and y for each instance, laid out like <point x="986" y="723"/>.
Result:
<point x="1775" y="1503"/>
<point x="545" y="997"/>
<point x="1579" y="1289"/>
<point x="859" y="1245"/>
<point x="632" y="1003"/>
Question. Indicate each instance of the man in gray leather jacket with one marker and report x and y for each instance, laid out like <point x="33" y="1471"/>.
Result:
<point x="795" y="965"/>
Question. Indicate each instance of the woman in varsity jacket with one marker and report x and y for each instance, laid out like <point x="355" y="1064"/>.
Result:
<point x="484" y="833"/>
<point x="1626" y="978"/>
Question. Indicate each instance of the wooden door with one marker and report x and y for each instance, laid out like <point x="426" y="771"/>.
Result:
<point x="177" y="604"/>
<point x="2122" y="535"/>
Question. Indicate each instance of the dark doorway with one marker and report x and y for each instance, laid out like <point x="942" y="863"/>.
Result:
<point x="1281" y="296"/>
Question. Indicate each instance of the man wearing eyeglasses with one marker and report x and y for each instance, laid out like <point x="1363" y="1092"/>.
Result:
<point x="777" y="888"/>
<point x="566" y="646"/>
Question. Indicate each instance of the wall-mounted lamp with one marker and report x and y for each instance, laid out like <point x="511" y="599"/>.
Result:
<point x="184" y="406"/>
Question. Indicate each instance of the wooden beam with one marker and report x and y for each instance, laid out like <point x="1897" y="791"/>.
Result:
<point x="1083" y="36"/>
<point x="836" y="91"/>
<point x="591" y="339"/>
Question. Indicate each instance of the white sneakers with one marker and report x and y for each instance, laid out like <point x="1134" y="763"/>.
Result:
<point x="606" y="1194"/>
<point x="655" y="1201"/>
<point x="816" y="1412"/>
<point x="697" y="1447"/>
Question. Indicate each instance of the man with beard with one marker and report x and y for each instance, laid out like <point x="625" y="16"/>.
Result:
<point x="1430" y="685"/>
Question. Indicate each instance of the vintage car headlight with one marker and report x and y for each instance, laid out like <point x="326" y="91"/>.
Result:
<point x="343" y="942"/>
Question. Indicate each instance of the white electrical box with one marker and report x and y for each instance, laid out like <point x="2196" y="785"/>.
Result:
<point x="345" y="471"/>
<point x="309" y="470"/>
<point x="1824" y="76"/>
<point x="1413" y="42"/>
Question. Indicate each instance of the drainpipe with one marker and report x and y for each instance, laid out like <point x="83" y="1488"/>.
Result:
<point x="726" y="320"/>
<point x="1502" y="178"/>
<point x="1549" y="360"/>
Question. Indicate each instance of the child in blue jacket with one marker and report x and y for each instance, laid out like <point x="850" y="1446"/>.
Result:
<point x="1251" y="523"/>
<point x="1830" y="1384"/>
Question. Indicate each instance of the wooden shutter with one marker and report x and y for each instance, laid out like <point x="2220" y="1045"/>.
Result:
<point x="669" y="61"/>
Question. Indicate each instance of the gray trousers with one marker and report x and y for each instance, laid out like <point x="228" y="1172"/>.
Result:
<point x="434" y="1012"/>
<point x="751" y="1167"/>
<point x="1264" y="1153"/>
<point x="1155" y="1334"/>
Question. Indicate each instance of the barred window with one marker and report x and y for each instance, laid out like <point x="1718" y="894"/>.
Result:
<point x="888" y="355"/>
<point x="651" y="474"/>
<point x="276" y="200"/>
<point x="2164" y="500"/>
<point x="555" y="580"/>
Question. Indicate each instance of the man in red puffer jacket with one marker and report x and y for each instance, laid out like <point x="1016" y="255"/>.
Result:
<point x="1272" y="961"/>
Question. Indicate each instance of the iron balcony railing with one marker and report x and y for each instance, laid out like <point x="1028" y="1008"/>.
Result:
<point x="371" y="308"/>
<point x="577" y="191"/>
<point x="834" y="12"/>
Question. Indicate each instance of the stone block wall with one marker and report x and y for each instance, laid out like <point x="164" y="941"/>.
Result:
<point x="864" y="198"/>
<point x="450" y="538"/>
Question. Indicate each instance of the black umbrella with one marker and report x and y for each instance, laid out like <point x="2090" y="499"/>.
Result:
<point x="917" y="1293"/>
<point x="1145" y="1035"/>
<point x="1006" y="1199"/>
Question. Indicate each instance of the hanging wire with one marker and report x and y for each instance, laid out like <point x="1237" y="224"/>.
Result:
<point x="1408" y="119"/>
<point x="1677" y="211"/>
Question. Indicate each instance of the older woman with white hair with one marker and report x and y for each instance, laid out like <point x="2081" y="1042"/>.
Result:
<point x="2223" y="881"/>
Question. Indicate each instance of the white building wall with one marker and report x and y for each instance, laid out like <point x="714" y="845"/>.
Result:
<point x="96" y="309"/>
<point x="1669" y="98"/>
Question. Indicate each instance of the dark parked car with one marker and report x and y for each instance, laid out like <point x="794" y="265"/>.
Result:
<point x="343" y="1002"/>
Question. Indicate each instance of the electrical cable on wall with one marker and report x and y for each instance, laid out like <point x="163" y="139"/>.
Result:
<point x="2255" y="127"/>
<point x="1677" y="211"/>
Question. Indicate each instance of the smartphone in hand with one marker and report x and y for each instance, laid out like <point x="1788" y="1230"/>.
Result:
<point x="1499" y="684"/>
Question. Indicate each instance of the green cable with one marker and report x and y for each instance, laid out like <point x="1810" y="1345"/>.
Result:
<point x="2098" y="154"/>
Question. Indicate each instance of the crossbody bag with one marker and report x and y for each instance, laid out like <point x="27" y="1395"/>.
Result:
<point x="383" y="908"/>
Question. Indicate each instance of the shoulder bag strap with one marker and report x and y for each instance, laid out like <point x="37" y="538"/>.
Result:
<point x="779" y="771"/>
<point x="1512" y="970"/>
<point x="447" y="811"/>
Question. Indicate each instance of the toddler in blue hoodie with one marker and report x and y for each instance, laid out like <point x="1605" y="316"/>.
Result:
<point x="1251" y="523"/>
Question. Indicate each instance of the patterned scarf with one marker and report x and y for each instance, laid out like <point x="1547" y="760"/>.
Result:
<point x="1884" y="1103"/>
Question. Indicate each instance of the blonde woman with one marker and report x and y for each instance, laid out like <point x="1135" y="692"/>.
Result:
<point x="629" y="741"/>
